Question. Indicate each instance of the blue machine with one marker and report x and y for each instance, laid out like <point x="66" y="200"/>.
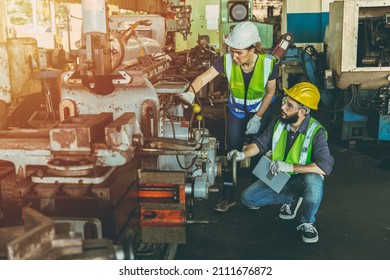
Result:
<point x="352" y="66"/>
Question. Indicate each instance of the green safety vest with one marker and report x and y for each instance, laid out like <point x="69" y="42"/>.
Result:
<point x="300" y="152"/>
<point x="256" y="89"/>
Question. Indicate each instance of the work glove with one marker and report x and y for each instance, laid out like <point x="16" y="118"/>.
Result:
<point x="253" y="125"/>
<point x="239" y="155"/>
<point x="280" y="166"/>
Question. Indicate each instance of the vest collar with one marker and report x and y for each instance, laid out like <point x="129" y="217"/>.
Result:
<point x="302" y="128"/>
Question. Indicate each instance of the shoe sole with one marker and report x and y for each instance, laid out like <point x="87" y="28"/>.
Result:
<point x="310" y="240"/>
<point x="287" y="217"/>
<point x="292" y="216"/>
<point x="224" y="210"/>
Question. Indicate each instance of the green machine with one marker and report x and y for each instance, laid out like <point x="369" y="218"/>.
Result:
<point x="201" y="24"/>
<point x="235" y="11"/>
<point x="227" y="13"/>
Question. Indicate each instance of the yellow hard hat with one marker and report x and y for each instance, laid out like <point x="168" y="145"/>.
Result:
<point x="305" y="93"/>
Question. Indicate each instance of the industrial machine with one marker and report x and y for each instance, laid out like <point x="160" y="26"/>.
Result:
<point x="195" y="61"/>
<point x="43" y="238"/>
<point x="352" y="70"/>
<point x="116" y="158"/>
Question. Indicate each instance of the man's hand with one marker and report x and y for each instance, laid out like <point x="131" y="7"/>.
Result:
<point x="253" y="125"/>
<point x="239" y="155"/>
<point x="280" y="166"/>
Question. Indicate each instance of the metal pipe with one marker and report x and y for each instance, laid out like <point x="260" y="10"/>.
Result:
<point x="191" y="222"/>
<point x="170" y="140"/>
<point x="68" y="30"/>
<point x="160" y="152"/>
<point x="173" y="146"/>
<point x="234" y="169"/>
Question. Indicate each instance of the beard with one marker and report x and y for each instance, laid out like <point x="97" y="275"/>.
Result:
<point x="289" y="119"/>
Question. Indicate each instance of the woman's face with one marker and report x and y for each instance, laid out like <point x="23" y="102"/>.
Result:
<point x="241" y="56"/>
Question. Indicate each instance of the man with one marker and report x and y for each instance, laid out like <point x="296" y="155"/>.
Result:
<point x="299" y="147"/>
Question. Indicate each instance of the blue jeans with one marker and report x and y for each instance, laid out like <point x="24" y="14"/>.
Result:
<point x="237" y="127"/>
<point x="309" y="186"/>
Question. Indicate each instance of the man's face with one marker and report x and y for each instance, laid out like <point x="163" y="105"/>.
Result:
<point x="290" y="110"/>
<point x="290" y="119"/>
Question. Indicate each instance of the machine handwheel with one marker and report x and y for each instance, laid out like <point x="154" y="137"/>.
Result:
<point x="234" y="170"/>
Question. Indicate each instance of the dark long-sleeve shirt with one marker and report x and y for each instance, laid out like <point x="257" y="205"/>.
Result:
<point x="320" y="151"/>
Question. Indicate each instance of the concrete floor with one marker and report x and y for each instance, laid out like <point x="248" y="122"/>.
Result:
<point x="353" y="220"/>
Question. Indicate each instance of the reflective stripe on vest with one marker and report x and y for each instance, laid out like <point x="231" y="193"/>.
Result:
<point x="300" y="152"/>
<point x="256" y="88"/>
<point x="307" y="142"/>
<point x="228" y="66"/>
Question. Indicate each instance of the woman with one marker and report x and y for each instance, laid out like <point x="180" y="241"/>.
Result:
<point x="252" y="82"/>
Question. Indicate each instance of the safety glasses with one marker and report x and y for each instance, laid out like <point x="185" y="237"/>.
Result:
<point x="291" y="106"/>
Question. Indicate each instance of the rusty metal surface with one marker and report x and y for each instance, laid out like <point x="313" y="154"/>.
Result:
<point x="12" y="188"/>
<point x="28" y="144"/>
<point x="161" y="177"/>
<point x="22" y="55"/>
<point x="42" y="119"/>
<point x="6" y="170"/>
<point x="41" y="238"/>
<point x="39" y="234"/>
<point x="124" y="98"/>
<point x="114" y="201"/>
<point x="22" y="148"/>
<point x="149" y="118"/>
<point x="162" y="218"/>
<point x="121" y="131"/>
<point x="163" y="206"/>
<point x="75" y="167"/>
<point x="76" y="134"/>
<point x="96" y="176"/>
<point x="5" y="82"/>
<point x="7" y="235"/>
<point x="47" y="192"/>
<point x="24" y="152"/>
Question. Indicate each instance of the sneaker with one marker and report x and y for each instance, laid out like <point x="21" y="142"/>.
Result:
<point x="224" y="205"/>
<point x="254" y="207"/>
<point x="309" y="233"/>
<point x="289" y="211"/>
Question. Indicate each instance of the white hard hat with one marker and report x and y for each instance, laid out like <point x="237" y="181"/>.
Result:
<point x="243" y="35"/>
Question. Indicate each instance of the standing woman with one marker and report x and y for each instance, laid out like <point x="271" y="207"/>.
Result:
<point x="252" y="78"/>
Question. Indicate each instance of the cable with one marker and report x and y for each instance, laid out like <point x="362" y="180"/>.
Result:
<point x="191" y="120"/>
<point x="197" y="99"/>
<point x="337" y="101"/>
<point x="312" y="53"/>
<point x="356" y="105"/>
<point x="174" y="137"/>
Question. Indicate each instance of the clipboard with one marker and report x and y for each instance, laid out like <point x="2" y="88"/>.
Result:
<point x="263" y="172"/>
